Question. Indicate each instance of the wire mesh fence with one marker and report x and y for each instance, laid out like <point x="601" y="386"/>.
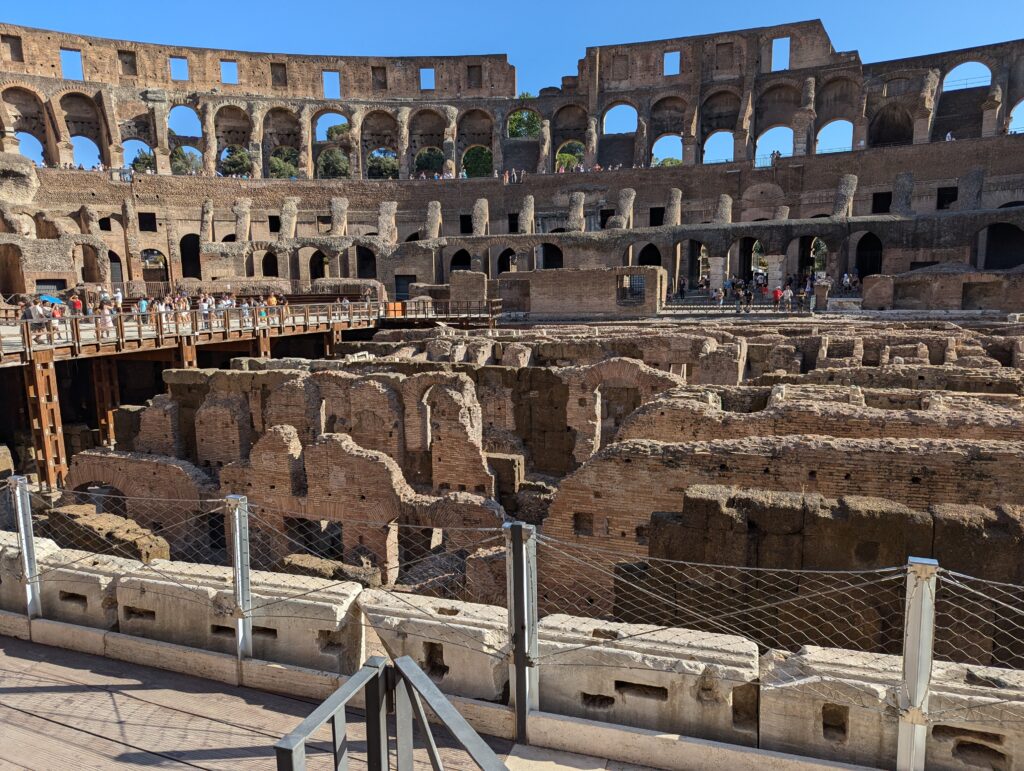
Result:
<point x="615" y="629"/>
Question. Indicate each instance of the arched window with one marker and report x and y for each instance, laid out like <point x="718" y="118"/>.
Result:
<point x="1017" y="118"/>
<point x="30" y="147"/>
<point x="775" y="142"/>
<point x="869" y="255"/>
<point x="892" y="125"/>
<point x="318" y="262"/>
<point x="569" y="155"/>
<point x="461" y="260"/>
<point x="649" y="255"/>
<point x="235" y="161"/>
<point x="429" y="161"/>
<point x="718" y="148"/>
<point x="86" y="152"/>
<point x="478" y="161"/>
<point x="382" y="163"/>
<point x="524" y="124"/>
<point x="186" y="160"/>
<point x="189" y="247"/>
<point x="116" y="270"/>
<point x="550" y="256"/>
<point x="967" y="75"/>
<point x="139" y="156"/>
<point x="366" y="263"/>
<point x="667" y="151"/>
<point x="620" y="119"/>
<point x="331" y="127"/>
<point x="835" y="137"/>
<point x="184" y="122"/>
<point x="269" y="265"/>
<point x="505" y="260"/>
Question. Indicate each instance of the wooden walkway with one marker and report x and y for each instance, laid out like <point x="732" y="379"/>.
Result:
<point x="65" y="710"/>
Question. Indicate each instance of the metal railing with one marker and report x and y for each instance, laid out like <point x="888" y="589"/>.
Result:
<point x="404" y="685"/>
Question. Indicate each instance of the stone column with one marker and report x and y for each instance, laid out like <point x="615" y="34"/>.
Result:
<point x="387" y="231"/>
<point x="404" y="167"/>
<point x="590" y="143"/>
<point x="243" y="213"/>
<point x="481" y="217"/>
<point x="162" y="152"/>
<point x="64" y="152"/>
<point x="209" y="140"/>
<point x="451" y="131"/>
<point x="206" y="221"/>
<point x="776" y="269"/>
<point x="576" y="220"/>
<point x="691" y="151"/>
<point x="356" y="133"/>
<point x="305" y="144"/>
<point x="497" y="151"/>
<point x="544" y="156"/>
<point x="991" y="111"/>
<point x="339" y="217"/>
<point x="674" y="207"/>
<point x="432" y="226"/>
<point x="716" y="271"/>
<point x="641" y="152"/>
<point x="526" y="216"/>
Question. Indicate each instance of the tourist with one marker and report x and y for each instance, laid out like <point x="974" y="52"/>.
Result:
<point x="143" y="310"/>
<point x="787" y="298"/>
<point x="776" y="298"/>
<point x="75" y="305"/>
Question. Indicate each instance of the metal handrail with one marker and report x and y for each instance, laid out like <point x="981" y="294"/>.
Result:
<point x="407" y="687"/>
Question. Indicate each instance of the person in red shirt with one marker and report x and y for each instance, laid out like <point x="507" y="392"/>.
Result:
<point x="776" y="298"/>
<point x="75" y="303"/>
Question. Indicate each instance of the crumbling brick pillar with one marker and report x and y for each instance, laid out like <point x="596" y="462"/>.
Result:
<point x="209" y="140"/>
<point x="716" y="271"/>
<point x="776" y="269"/>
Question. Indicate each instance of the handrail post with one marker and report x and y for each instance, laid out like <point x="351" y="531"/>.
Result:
<point x="377" y="719"/>
<point x="521" y="580"/>
<point x="918" y="642"/>
<point x="238" y="506"/>
<point x="22" y="506"/>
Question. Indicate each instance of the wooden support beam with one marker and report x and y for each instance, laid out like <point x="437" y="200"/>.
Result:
<point x="261" y="344"/>
<point x="108" y="397"/>
<point x="332" y="340"/>
<point x="44" y="415"/>
<point x="187" y="357"/>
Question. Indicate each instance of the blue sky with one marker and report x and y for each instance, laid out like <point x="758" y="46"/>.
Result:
<point x="543" y="40"/>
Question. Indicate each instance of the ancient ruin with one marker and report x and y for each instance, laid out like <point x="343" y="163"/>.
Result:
<point x="724" y="499"/>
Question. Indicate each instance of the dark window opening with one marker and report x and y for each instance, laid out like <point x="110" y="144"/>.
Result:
<point x="606" y="214"/>
<point x="379" y="78"/>
<point x="513" y="223"/>
<point x="582" y="524"/>
<point x="465" y="223"/>
<point x="10" y="48"/>
<point x="274" y="222"/>
<point x="104" y="223"/>
<point x="945" y="197"/>
<point x="657" y="216"/>
<point x="881" y="203"/>
<point x="147" y="222"/>
<point x="474" y="76"/>
<point x="402" y="284"/>
<point x="129" y="64"/>
<point x="278" y="74"/>
<point x="630" y="290"/>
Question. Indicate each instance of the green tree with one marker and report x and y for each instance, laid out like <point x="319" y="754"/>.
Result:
<point x="339" y="132"/>
<point x="185" y="162"/>
<point x="144" y="161"/>
<point x="284" y="163"/>
<point x="478" y="162"/>
<point x="332" y="164"/>
<point x="524" y="124"/>
<point x="236" y="161"/>
<point x="430" y="160"/>
<point x="664" y="162"/>
<point x="382" y="164"/>
<point x="570" y="154"/>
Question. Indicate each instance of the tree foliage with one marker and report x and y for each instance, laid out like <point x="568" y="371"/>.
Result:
<point x="284" y="163"/>
<point x="340" y="132"/>
<point x="144" y="161"/>
<point x="185" y="162"/>
<point x="665" y="162"/>
<point x="524" y="124"/>
<point x="332" y="164"/>
<point x="430" y="160"/>
<point x="236" y="161"/>
<point x="569" y="155"/>
<point x="382" y="164"/>
<point x="478" y="162"/>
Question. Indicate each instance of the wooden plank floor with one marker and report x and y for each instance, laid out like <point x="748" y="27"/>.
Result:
<point x="65" y="710"/>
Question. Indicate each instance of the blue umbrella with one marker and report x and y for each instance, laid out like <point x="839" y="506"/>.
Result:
<point x="49" y="298"/>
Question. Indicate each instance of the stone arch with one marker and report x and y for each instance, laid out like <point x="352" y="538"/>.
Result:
<point x="426" y="129"/>
<point x="378" y="130"/>
<point x="269" y="267"/>
<point x="667" y="147"/>
<point x="838" y="98"/>
<point x="83" y="119"/>
<point x="506" y="260"/>
<point x="720" y="111"/>
<point x="718" y="147"/>
<point x="515" y="112"/>
<point x="318" y="263"/>
<point x="1002" y="246"/>
<point x="189" y="131"/>
<point x="620" y="111"/>
<point x="668" y="115"/>
<point x="189" y="249"/>
<point x="779" y="139"/>
<point x="569" y="123"/>
<point x="477" y="161"/>
<point x="891" y="125"/>
<point x="428" y="160"/>
<point x="25" y="114"/>
<point x="476" y="127"/>
<point x="836" y="136"/>
<point x="1015" y="121"/>
<point x="969" y="73"/>
<point x="281" y="129"/>
<point x="12" y="277"/>
<point x="461" y="260"/>
<point x="869" y="255"/>
<point x="550" y="256"/>
<point x="366" y="262"/>
<point x="649" y="255"/>
<point x="232" y="127"/>
<point x="776" y="106"/>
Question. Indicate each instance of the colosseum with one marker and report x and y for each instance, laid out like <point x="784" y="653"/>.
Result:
<point x="370" y="322"/>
